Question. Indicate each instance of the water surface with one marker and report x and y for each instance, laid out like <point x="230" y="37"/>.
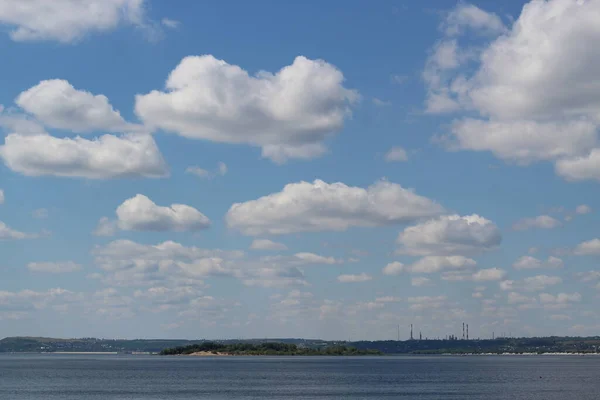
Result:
<point x="103" y="377"/>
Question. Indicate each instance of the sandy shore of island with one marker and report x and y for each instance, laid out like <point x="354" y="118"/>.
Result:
<point x="209" y="354"/>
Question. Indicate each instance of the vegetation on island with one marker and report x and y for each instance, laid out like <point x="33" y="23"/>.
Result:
<point x="266" y="349"/>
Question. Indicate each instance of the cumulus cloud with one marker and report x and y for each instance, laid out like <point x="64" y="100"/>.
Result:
<point x="524" y="141"/>
<point x="580" y="168"/>
<point x="127" y="156"/>
<point x="560" y="299"/>
<point x="490" y="274"/>
<point x="58" y="104"/>
<point x="288" y="114"/>
<point x="589" y="248"/>
<point x="266" y="244"/>
<point x="529" y="262"/>
<point x="468" y="16"/>
<point x="396" y="153"/>
<point x="1" y="196"/>
<point x="431" y="264"/>
<point x="320" y="206"/>
<point x="54" y="267"/>
<point x="7" y="232"/>
<point x="127" y="263"/>
<point x="540" y="282"/>
<point x="67" y="21"/>
<point x="139" y="213"/>
<point x="535" y="103"/>
<point x="449" y="235"/>
<point x="539" y="222"/>
<point x="354" y="278"/>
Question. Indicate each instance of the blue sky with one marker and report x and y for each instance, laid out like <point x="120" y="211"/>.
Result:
<point x="268" y="169"/>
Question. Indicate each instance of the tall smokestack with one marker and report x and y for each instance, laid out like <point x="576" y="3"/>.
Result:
<point x="411" y="332"/>
<point x="467" y="331"/>
<point x="463" y="331"/>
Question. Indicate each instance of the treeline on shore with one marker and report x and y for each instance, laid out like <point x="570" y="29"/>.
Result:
<point x="266" y="349"/>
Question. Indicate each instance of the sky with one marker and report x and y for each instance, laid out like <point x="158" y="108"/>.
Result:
<point x="225" y="169"/>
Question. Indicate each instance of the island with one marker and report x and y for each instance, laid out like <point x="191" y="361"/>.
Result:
<point x="264" y="349"/>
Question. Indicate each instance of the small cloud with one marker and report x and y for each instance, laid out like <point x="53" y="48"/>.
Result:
<point x="381" y="103"/>
<point x="420" y="281"/>
<point x="539" y="222"/>
<point x="206" y="174"/>
<point x="199" y="172"/>
<point x="396" y="153"/>
<point x="106" y="227"/>
<point x="583" y="209"/>
<point x="266" y="244"/>
<point x="354" y="278"/>
<point x="170" y="23"/>
<point x="222" y="168"/>
<point x="1" y="196"/>
<point x="54" y="267"/>
<point x="40" y="213"/>
<point x="399" y="79"/>
<point x="533" y="250"/>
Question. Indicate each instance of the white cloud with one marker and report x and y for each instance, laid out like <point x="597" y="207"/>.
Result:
<point x="54" y="267"/>
<point x="206" y="174"/>
<point x="583" y="209"/>
<point x="222" y="167"/>
<point x="589" y="248"/>
<point x="354" y="278"/>
<point x="450" y="235"/>
<point x="199" y="172"/>
<point x="419" y="281"/>
<point x="381" y="103"/>
<point x="432" y="264"/>
<point x="529" y="262"/>
<point x="58" y="104"/>
<point x="139" y="213"/>
<point x="470" y="16"/>
<point x="561" y="298"/>
<point x="491" y="274"/>
<point x="537" y="103"/>
<point x="266" y="244"/>
<point x="132" y="155"/>
<point x="396" y="153"/>
<point x="67" y="21"/>
<point x="105" y="227"/>
<point x="1" y="196"/>
<point x="427" y="302"/>
<point x="539" y="222"/>
<point x="170" y="23"/>
<point x="7" y="232"/>
<point x="287" y="114"/>
<point x="540" y="282"/>
<point x="388" y="299"/>
<point x="523" y="141"/>
<point x="320" y="206"/>
<point x="126" y="263"/>
<point x="394" y="268"/>
<point x="580" y="168"/>
<point x="518" y="298"/>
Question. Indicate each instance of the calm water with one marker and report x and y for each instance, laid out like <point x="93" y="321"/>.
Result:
<point x="54" y="377"/>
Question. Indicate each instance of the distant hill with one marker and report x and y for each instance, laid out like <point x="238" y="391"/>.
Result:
<point x="499" y="345"/>
<point x="41" y="344"/>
